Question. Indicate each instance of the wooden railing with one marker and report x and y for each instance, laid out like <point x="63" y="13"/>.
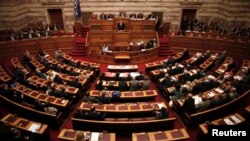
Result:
<point x="27" y="112"/>
<point x="124" y="125"/>
<point x="214" y="113"/>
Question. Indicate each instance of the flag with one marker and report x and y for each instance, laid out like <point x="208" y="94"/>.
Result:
<point x="77" y="9"/>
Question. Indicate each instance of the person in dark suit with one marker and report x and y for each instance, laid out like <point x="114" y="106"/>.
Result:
<point x="38" y="105"/>
<point x="99" y="85"/>
<point x="206" y="55"/>
<point x="134" y="86"/>
<point x="163" y="113"/>
<point x="145" y="84"/>
<point x="103" y="99"/>
<point x="94" y="115"/>
<point x="189" y="105"/>
<point x="123" y="85"/>
<point x="140" y="77"/>
<point x="76" y="84"/>
<point x="140" y="16"/>
<point x="158" y="23"/>
<point x="185" y="54"/>
<point x="221" y="58"/>
<point x="103" y="16"/>
<point x="110" y="16"/>
<point x="121" y="26"/>
<point x="40" y="74"/>
<point x="166" y="82"/>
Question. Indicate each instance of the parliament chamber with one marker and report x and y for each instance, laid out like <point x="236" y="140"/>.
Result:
<point x="142" y="70"/>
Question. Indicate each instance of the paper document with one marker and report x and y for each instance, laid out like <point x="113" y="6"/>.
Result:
<point x="94" y="136"/>
<point x="235" y="119"/>
<point x="228" y="121"/>
<point x="160" y="105"/>
<point x="34" y="127"/>
<point x="210" y="94"/>
<point x="219" y="90"/>
<point x="197" y="99"/>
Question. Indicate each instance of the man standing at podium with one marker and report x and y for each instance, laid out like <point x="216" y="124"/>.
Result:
<point x="121" y="26"/>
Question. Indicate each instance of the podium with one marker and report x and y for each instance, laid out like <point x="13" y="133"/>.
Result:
<point x="122" y="57"/>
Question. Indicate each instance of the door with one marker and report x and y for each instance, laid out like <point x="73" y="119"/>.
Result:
<point x="188" y="15"/>
<point x="56" y="17"/>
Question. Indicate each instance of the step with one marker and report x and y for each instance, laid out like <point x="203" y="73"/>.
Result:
<point x="78" y="55"/>
<point x="164" y="40"/>
<point x="166" y="54"/>
<point x="78" y="51"/>
<point x="164" y="47"/>
<point x="165" y="51"/>
<point x="80" y="40"/>
<point x="79" y="45"/>
<point x="165" y="43"/>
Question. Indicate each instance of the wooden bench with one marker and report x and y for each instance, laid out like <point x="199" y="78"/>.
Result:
<point x="173" y="135"/>
<point x="71" y="135"/>
<point x="39" y="131"/>
<point x="124" y="125"/>
<point x="39" y="116"/>
<point x="128" y="95"/>
<point x="214" y="113"/>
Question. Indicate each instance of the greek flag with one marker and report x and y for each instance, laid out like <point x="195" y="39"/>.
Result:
<point x="77" y="9"/>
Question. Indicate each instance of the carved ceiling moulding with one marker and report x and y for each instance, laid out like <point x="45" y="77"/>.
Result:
<point x="53" y="3"/>
<point x="191" y="4"/>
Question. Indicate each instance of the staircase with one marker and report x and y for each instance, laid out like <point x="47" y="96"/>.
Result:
<point x="164" y="47"/>
<point x="80" y="49"/>
<point x="84" y="30"/>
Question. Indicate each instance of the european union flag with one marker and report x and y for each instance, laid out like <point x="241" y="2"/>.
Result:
<point x="77" y="9"/>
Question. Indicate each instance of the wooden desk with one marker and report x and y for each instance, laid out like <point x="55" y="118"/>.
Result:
<point x="124" y="125"/>
<point x="44" y="83"/>
<point x="207" y="63"/>
<point x="25" y="124"/>
<point x="63" y="103"/>
<point x="69" y="78"/>
<point x="122" y="68"/>
<point x="4" y="76"/>
<point x="122" y="75"/>
<point x="153" y="65"/>
<point x="51" y="60"/>
<point x="246" y="63"/>
<point x="248" y="109"/>
<point x="128" y="95"/>
<point x="18" y="47"/>
<point x="168" y="135"/>
<point x="133" y="24"/>
<point x="25" y="111"/>
<point x="224" y="67"/>
<point x="15" y="62"/>
<point x="124" y="108"/>
<point x="235" y="48"/>
<point x="194" y="58"/>
<point x="122" y="57"/>
<point x="70" y="135"/>
<point x="222" y="121"/>
<point x="36" y="63"/>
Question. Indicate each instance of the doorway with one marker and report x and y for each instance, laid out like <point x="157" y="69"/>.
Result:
<point x="56" y="17"/>
<point x="187" y="16"/>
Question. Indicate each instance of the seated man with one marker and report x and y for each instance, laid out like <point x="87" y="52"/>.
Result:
<point x="163" y="113"/>
<point x="121" y="26"/>
<point x="189" y="104"/>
